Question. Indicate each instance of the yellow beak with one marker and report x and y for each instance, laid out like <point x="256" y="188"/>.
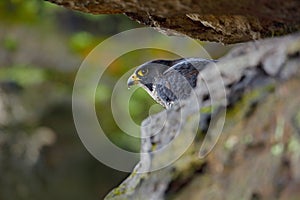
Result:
<point x="133" y="80"/>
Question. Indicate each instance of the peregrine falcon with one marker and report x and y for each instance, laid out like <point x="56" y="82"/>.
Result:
<point x="168" y="81"/>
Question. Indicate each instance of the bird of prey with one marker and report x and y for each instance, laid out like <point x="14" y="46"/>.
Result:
<point x="168" y="81"/>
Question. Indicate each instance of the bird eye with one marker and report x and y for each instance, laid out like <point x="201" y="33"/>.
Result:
<point x="142" y="72"/>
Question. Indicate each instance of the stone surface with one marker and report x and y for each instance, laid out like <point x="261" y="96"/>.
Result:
<point x="223" y="21"/>
<point x="257" y="153"/>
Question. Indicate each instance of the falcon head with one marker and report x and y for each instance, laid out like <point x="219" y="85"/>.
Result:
<point x="148" y="73"/>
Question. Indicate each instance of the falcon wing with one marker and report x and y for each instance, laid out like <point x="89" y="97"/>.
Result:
<point x="168" y="63"/>
<point x="185" y="65"/>
<point x="188" y="68"/>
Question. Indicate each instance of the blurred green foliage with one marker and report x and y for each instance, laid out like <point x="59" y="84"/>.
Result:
<point x="23" y="75"/>
<point x="41" y="47"/>
<point x="20" y="11"/>
<point x="10" y="44"/>
<point x="82" y="41"/>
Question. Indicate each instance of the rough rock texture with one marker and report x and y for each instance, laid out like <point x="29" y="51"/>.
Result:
<point x="258" y="153"/>
<point x="223" y="20"/>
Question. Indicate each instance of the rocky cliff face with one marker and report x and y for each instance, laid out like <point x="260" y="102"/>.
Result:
<point x="222" y="21"/>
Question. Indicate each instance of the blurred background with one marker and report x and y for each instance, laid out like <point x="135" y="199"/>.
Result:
<point x="42" y="46"/>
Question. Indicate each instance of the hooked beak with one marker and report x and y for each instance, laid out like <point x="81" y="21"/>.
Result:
<point x="133" y="80"/>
